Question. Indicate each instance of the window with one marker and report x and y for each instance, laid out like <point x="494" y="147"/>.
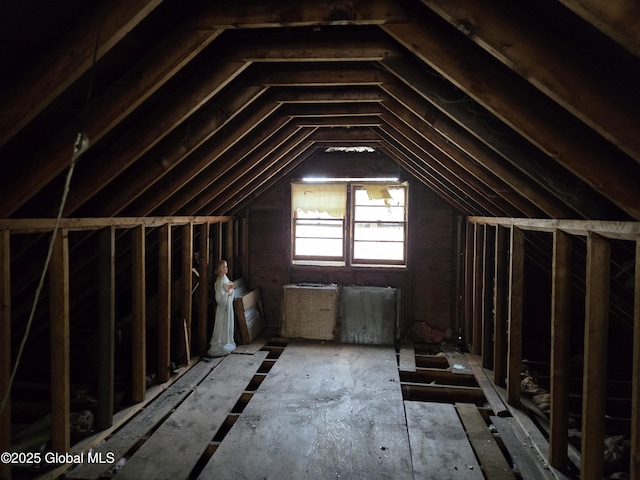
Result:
<point x="349" y="223"/>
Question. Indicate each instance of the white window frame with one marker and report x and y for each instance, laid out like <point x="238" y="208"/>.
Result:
<point x="376" y="190"/>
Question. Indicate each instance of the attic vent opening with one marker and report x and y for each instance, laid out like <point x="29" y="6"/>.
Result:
<point x="357" y="149"/>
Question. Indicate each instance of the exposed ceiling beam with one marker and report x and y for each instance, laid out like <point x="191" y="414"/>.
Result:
<point x="618" y="19"/>
<point x="68" y="61"/>
<point x="495" y="135"/>
<point x="26" y="182"/>
<point x="299" y="13"/>
<point x="251" y="173"/>
<point x="444" y="167"/>
<point x="522" y="108"/>
<point x="467" y="149"/>
<point x="159" y="189"/>
<point x="556" y="65"/>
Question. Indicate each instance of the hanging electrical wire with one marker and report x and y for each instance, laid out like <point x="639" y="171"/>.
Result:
<point x="80" y="146"/>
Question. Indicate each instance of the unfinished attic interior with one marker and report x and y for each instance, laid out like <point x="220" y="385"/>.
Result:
<point x="429" y="209"/>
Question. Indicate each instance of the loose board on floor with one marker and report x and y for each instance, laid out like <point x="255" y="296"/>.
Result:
<point x="323" y="411"/>
<point x="439" y="445"/>
<point x="146" y="420"/>
<point x="173" y="450"/>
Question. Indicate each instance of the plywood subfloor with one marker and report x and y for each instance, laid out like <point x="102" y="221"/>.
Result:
<point x="324" y="411"/>
<point x="304" y="409"/>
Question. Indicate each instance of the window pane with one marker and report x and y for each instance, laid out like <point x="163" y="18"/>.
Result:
<point x="379" y="213"/>
<point x="390" y="232"/>
<point x="318" y="247"/>
<point x="319" y="228"/>
<point x="389" y="251"/>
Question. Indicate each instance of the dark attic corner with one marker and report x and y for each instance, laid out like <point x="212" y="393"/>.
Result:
<point x="429" y="212"/>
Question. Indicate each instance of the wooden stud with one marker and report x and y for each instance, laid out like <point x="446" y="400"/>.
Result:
<point x="228" y="248"/>
<point x="106" y="328"/>
<point x="487" y="296"/>
<point x="203" y="297"/>
<point x="164" y="303"/>
<point x="139" y="315"/>
<point x="596" y="336"/>
<point x="217" y="245"/>
<point x="516" y="304"/>
<point x="500" y="312"/>
<point x="59" y="337"/>
<point x="468" y="285"/>
<point x="635" y="403"/>
<point x="187" y="285"/>
<point x="5" y="349"/>
<point x="560" y="344"/>
<point x="476" y="344"/>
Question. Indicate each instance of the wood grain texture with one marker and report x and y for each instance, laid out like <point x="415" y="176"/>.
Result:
<point x="493" y="462"/>
<point x="174" y="449"/>
<point x="439" y="445"/>
<point x="126" y="437"/>
<point x="324" y="410"/>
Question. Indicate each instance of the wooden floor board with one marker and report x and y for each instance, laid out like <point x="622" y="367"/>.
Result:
<point x="174" y="449"/>
<point x="439" y="445"/>
<point x="521" y="453"/>
<point x="493" y="462"/>
<point x="324" y="411"/>
<point x="407" y="361"/>
<point x="122" y="441"/>
<point x="320" y="410"/>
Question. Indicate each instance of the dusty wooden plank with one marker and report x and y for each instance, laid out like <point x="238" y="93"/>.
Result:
<point x="323" y="411"/>
<point x="494" y="400"/>
<point x="35" y="225"/>
<point x="560" y="345"/>
<point x="186" y="302"/>
<point x="596" y="337"/>
<point x="407" y="356"/>
<point x="173" y="450"/>
<point x="106" y="328"/>
<point x="164" y="303"/>
<point x="527" y="430"/>
<point x="138" y="315"/>
<point x="144" y="421"/>
<point x="200" y="338"/>
<point x="516" y="300"/>
<point x="5" y="349"/>
<point x="439" y="445"/>
<point x="500" y="301"/>
<point x="488" y="268"/>
<point x="605" y="228"/>
<point x="257" y="14"/>
<point x="493" y="462"/>
<point x="59" y="338"/>
<point x="476" y="344"/>
<point x="528" y="467"/>
<point x="468" y="284"/>
<point x="635" y="406"/>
